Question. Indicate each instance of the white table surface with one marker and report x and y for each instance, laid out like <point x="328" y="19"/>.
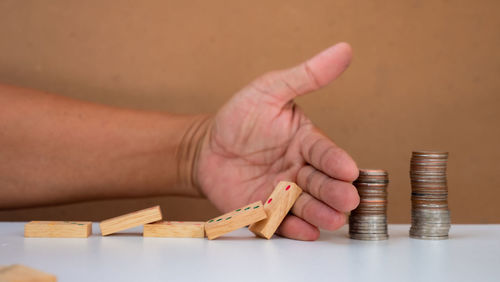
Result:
<point x="471" y="254"/>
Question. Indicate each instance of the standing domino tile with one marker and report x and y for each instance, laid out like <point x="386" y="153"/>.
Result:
<point x="277" y="207"/>
<point x="58" y="229"/>
<point x="126" y="221"/>
<point x="175" y="229"/>
<point x="234" y="220"/>
<point x="17" y="272"/>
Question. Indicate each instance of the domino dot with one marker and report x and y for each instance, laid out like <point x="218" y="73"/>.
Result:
<point x="269" y="201"/>
<point x="287" y="187"/>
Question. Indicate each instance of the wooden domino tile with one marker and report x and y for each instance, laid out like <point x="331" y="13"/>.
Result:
<point x="277" y="207"/>
<point x="17" y="273"/>
<point x="58" y="229"/>
<point x="175" y="229"/>
<point x="234" y="220"/>
<point x="126" y="221"/>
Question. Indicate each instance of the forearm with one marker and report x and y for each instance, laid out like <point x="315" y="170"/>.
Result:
<point x="54" y="149"/>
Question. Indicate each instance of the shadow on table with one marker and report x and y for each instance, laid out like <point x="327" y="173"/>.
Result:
<point x="128" y="234"/>
<point x="236" y="238"/>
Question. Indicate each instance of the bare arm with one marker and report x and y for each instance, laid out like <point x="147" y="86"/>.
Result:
<point x="55" y="149"/>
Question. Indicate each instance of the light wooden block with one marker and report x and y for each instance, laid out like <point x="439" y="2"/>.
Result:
<point x="126" y="221"/>
<point x="58" y="229"/>
<point x="277" y="207"/>
<point x="18" y="273"/>
<point x="175" y="229"/>
<point x="234" y="220"/>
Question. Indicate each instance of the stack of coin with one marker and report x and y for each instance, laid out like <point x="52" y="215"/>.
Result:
<point x="369" y="220"/>
<point x="430" y="216"/>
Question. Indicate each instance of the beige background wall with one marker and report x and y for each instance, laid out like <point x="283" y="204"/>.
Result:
<point x="425" y="75"/>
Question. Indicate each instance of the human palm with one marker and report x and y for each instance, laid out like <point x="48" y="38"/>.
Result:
<point x="261" y="137"/>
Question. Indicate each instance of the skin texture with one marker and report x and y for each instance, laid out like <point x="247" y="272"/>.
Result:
<point x="55" y="149"/>
<point x="58" y="150"/>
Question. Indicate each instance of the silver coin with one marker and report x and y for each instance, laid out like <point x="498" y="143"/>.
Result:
<point x="371" y="237"/>
<point x="429" y="237"/>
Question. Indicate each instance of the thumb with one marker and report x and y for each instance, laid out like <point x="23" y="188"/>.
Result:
<point x="311" y="75"/>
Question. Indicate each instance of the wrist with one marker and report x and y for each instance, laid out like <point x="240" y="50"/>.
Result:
<point x="188" y="153"/>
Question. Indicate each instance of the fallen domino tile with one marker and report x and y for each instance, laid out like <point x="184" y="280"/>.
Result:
<point x="277" y="207"/>
<point x="126" y="221"/>
<point x="19" y="273"/>
<point x="175" y="229"/>
<point x="234" y="220"/>
<point x="58" y="229"/>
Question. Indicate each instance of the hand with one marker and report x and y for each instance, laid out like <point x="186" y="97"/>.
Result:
<point x="261" y="137"/>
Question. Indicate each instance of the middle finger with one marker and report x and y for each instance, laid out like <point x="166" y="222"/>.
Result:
<point x="337" y="194"/>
